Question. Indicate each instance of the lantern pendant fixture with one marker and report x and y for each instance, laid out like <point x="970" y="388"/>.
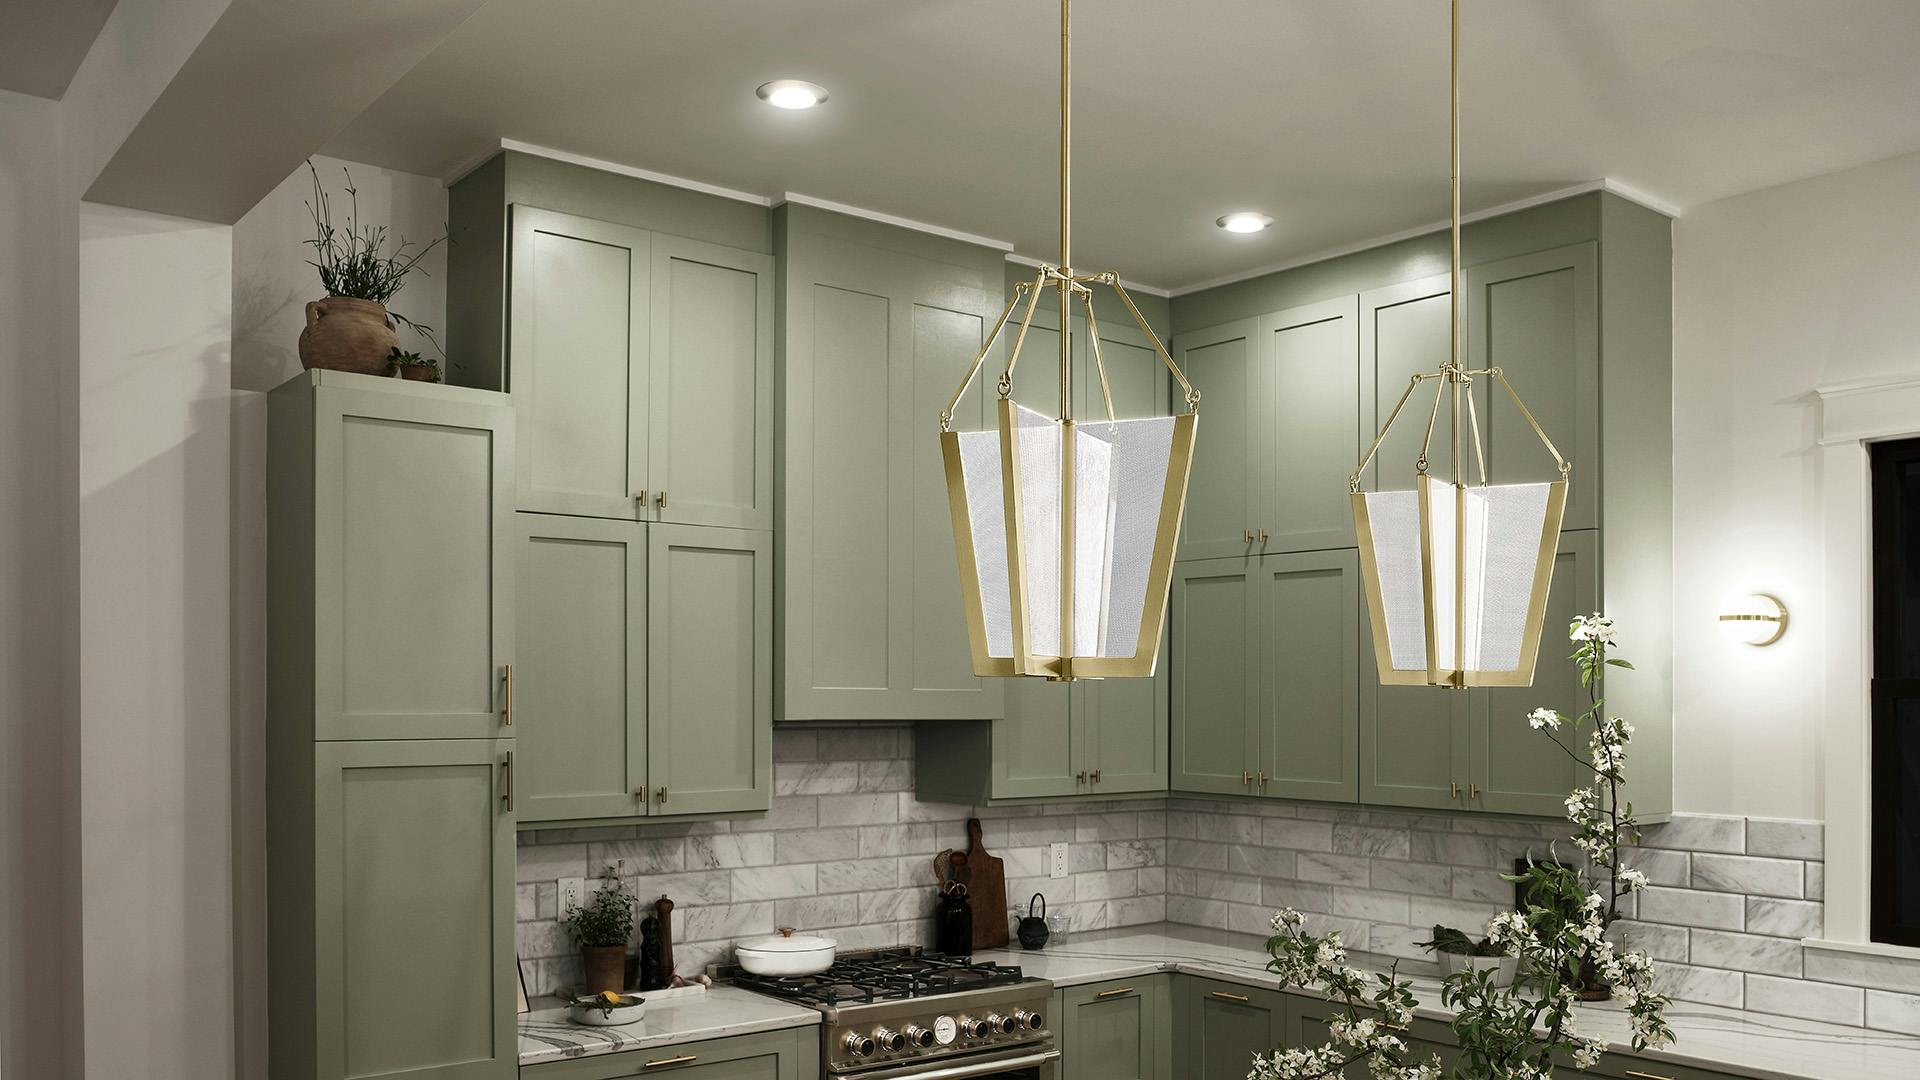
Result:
<point x="1456" y="575"/>
<point x="1065" y="532"/>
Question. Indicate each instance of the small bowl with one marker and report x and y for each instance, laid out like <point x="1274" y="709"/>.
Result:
<point x="630" y="1011"/>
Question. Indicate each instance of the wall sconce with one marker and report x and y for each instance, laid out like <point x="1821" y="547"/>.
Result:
<point x="1760" y="621"/>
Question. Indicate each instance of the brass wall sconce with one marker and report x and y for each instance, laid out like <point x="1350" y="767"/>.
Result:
<point x="1761" y="622"/>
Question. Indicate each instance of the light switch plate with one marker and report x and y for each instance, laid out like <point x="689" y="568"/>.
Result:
<point x="1057" y="860"/>
<point x="573" y="893"/>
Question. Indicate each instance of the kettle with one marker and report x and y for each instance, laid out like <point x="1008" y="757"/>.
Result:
<point x="1033" y="928"/>
<point x="953" y="921"/>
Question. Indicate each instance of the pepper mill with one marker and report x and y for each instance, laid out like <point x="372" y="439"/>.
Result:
<point x="663" y="910"/>
<point x="650" y="954"/>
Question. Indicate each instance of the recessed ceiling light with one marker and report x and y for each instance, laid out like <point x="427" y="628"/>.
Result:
<point x="1243" y="221"/>
<point x="792" y="94"/>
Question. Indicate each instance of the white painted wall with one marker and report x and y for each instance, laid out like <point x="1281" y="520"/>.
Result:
<point x="1776" y="292"/>
<point x="155" y="721"/>
<point x="34" y="260"/>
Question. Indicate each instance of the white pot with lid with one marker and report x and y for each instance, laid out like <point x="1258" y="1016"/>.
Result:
<point x="785" y="953"/>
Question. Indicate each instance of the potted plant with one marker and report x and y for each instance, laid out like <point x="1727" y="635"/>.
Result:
<point x="411" y="365"/>
<point x="352" y="329"/>
<point x="602" y="929"/>
<point x="1460" y="952"/>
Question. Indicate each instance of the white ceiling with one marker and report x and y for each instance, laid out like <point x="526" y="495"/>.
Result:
<point x="1328" y="114"/>
<point x="43" y="41"/>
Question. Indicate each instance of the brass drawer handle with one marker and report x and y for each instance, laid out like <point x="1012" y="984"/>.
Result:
<point x="1094" y="776"/>
<point x="1647" y="1076"/>
<point x="660" y="498"/>
<point x="1246" y="777"/>
<point x="640" y="496"/>
<point x="1224" y="996"/>
<point x="1473" y="792"/>
<point x="1261" y="779"/>
<point x="663" y="794"/>
<point x="681" y="1060"/>
<point x="1114" y="993"/>
<point x="506" y="681"/>
<point x="1456" y="790"/>
<point x="1080" y="777"/>
<point x="506" y="781"/>
<point x="1246" y="536"/>
<point x="1261" y="535"/>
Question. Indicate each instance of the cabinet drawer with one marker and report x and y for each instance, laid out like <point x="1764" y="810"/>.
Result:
<point x="773" y="1055"/>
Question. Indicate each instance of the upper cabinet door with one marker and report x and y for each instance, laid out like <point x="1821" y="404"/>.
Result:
<point x="1037" y="748"/>
<point x="710" y="666"/>
<point x="1536" y="317"/>
<point x="1413" y="740"/>
<point x="711" y="429"/>
<point x="577" y="363"/>
<point x="1403" y="332"/>
<point x="1310" y="369"/>
<point x="1126" y="725"/>
<point x="412" y="560"/>
<point x="1216" y="684"/>
<point x="1310" y="674"/>
<point x="413" y="851"/>
<point x="1225" y="495"/>
<point x="580" y="683"/>
<point x="1517" y="770"/>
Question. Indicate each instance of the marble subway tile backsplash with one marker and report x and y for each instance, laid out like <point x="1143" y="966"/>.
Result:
<point x="846" y="850"/>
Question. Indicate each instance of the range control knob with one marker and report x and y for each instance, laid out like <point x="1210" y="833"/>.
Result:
<point x="857" y="1044"/>
<point x="976" y="1029"/>
<point x="1032" y="1021"/>
<point x="918" y="1036"/>
<point x="889" y="1040"/>
<point x="1002" y="1024"/>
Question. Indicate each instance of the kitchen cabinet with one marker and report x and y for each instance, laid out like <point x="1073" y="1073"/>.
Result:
<point x="1222" y="485"/>
<point x="1471" y="749"/>
<point x="879" y="325"/>
<point x="389" y="555"/>
<point x="642" y="368"/>
<point x="791" y="1054"/>
<point x="1227" y="1023"/>
<point x="1266" y="676"/>
<point x="1117" y="1030"/>
<point x="645" y="681"/>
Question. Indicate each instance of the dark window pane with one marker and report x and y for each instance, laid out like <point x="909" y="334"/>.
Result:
<point x="1896" y="692"/>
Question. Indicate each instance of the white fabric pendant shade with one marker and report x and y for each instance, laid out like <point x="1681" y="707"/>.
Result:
<point x="1457" y="578"/>
<point x="1127" y="484"/>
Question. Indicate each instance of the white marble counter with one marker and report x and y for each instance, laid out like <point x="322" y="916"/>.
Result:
<point x="547" y="1035"/>
<point x="1750" y="1044"/>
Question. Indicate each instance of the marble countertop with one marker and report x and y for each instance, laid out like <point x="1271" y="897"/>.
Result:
<point x="547" y="1035"/>
<point x="1752" y="1044"/>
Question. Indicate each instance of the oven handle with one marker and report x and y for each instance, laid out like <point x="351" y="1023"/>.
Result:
<point x="972" y="1068"/>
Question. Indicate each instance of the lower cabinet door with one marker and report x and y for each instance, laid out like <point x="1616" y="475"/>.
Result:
<point x="1116" y="1030"/>
<point x="709" y="669"/>
<point x="580" y="674"/>
<point x="413" y="919"/>
<point x="1215" y="676"/>
<point x="1227" y="1024"/>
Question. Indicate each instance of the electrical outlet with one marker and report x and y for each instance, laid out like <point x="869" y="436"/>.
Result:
<point x="573" y="893"/>
<point x="1057" y="860"/>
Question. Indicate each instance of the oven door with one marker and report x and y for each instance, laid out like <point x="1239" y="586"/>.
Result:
<point x="1037" y="1062"/>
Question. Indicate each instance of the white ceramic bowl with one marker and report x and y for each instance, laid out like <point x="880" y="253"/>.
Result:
<point x="785" y="953"/>
<point x="630" y="1011"/>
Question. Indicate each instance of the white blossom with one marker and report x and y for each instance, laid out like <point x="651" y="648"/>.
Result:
<point x="1634" y="880"/>
<point x="1545" y="718"/>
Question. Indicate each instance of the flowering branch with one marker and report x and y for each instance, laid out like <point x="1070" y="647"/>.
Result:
<point x="1559" y="939"/>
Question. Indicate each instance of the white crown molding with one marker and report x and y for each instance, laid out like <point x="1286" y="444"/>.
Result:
<point x="1630" y="194"/>
<point x="890" y="219"/>
<point x="1130" y="286"/>
<point x="628" y="170"/>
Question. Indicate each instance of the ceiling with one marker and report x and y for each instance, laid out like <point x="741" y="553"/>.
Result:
<point x="1329" y="115"/>
<point x="44" y="41"/>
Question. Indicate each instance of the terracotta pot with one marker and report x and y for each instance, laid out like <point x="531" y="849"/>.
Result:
<point x="416" y="372"/>
<point x="605" y="967"/>
<point x="344" y="334"/>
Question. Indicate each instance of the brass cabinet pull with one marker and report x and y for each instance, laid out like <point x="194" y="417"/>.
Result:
<point x="640" y="496"/>
<point x="506" y="781"/>
<point x="1246" y="777"/>
<point x="1456" y="790"/>
<point x="1261" y="778"/>
<point x="506" y="692"/>
<point x="1473" y="791"/>
<point x="681" y="1060"/>
<point x="1262" y="534"/>
<point x="1246" y="536"/>
<point x="660" y="498"/>
<point x="663" y="794"/>
<point x="1224" y="996"/>
<point x="1115" y="992"/>
<point x="1080" y="777"/>
<point x="1647" y="1076"/>
<point x="641" y="794"/>
<point x="1094" y="776"/>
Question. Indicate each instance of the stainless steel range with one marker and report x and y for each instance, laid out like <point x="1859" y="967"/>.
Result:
<point x="899" y="1013"/>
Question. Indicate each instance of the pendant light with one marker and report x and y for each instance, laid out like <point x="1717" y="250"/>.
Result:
<point x="1065" y="531"/>
<point x="1457" y="574"/>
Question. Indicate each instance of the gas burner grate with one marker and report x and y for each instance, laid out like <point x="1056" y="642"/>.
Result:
<point x="886" y="975"/>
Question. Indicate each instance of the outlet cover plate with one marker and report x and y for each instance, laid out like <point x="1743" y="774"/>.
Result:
<point x="573" y="893"/>
<point x="1057" y="860"/>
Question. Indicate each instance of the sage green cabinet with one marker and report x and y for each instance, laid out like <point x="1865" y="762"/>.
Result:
<point x="1226" y="1024"/>
<point x="1223" y="487"/>
<point x="645" y="684"/>
<point x="1266" y="676"/>
<point x="1403" y="332"/>
<point x="710" y="669"/>
<point x="1117" y="1030"/>
<point x="642" y="367"/>
<point x="792" y="1054"/>
<point x="581" y="683"/>
<point x="389" y="566"/>
<point x="387" y="859"/>
<point x="879" y="324"/>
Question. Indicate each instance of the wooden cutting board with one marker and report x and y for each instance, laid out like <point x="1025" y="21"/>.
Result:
<point x="986" y="892"/>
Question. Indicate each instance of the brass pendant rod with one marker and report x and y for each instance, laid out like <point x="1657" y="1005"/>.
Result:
<point x="1099" y="361"/>
<point x="1454" y="282"/>
<point x="1066" y="212"/>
